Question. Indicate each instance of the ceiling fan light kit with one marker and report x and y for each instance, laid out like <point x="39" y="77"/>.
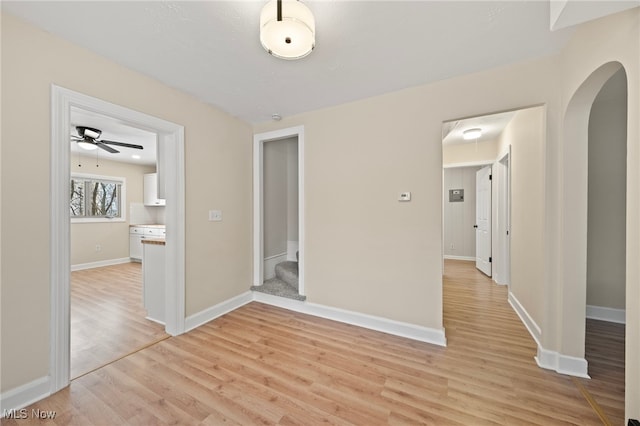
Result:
<point x="287" y="29"/>
<point x="88" y="139"/>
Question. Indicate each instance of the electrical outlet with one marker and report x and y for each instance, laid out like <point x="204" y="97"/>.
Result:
<point x="215" y="215"/>
<point x="98" y="247"/>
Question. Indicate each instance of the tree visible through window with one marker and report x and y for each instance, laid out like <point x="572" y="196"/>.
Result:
<point x="95" y="198"/>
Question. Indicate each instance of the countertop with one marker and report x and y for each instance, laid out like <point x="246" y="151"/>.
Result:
<point x="147" y="226"/>
<point x="156" y="241"/>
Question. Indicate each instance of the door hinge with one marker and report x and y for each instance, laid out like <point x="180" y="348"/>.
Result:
<point x="490" y="177"/>
<point x="489" y="260"/>
<point x="507" y="232"/>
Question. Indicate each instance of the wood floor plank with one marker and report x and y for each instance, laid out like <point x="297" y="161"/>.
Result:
<point x="108" y="317"/>
<point x="265" y="365"/>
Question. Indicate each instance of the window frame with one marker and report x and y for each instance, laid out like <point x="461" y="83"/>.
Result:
<point x="111" y="179"/>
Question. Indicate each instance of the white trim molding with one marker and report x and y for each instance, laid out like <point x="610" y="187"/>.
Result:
<point x="603" y="313"/>
<point x="292" y="249"/>
<point x="270" y="264"/>
<point x="171" y="142"/>
<point x="550" y="360"/>
<point x="259" y="140"/>
<point x="100" y="263"/>
<point x="397" y="328"/>
<point x="213" y="312"/>
<point x="526" y="319"/>
<point x="563" y="364"/>
<point x="452" y="257"/>
<point x="24" y="395"/>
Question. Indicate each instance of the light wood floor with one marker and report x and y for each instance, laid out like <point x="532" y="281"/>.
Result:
<point x="108" y="317"/>
<point x="264" y="365"/>
<point x="604" y="351"/>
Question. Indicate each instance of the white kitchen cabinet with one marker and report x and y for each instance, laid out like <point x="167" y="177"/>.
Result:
<point x="139" y="233"/>
<point x="150" y="197"/>
<point x="153" y="280"/>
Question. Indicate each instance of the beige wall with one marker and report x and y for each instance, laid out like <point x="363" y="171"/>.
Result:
<point x="275" y="197"/>
<point x="459" y="217"/>
<point x="607" y="196"/>
<point x="386" y="256"/>
<point x="593" y="45"/>
<point x="218" y="176"/>
<point x="526" y="135"/>
<point x="113" y="237"/>
<point x="292" y="189"/>
<point x="470" y="153"/>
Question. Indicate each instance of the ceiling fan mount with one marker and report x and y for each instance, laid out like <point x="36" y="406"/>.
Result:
<point x="88" y="138"/>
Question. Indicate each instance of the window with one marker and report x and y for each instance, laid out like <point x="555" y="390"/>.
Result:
<point x="96" y="198"/>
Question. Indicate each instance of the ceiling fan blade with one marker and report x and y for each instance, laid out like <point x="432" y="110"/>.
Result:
<point x="128" y="145"/>
<point x="107" y="147"/>
<point x="76" y="138"/>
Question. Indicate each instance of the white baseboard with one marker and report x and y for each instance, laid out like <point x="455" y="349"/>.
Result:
<point x="100" y="264"/>
<point x="397" y="328"/>
<point x="563" y="364"/>
<point x="526" y="319"/>
<point x="292" y="249"/>
<point x="24" y="395"/>
<point x="606" y="314"/>
<point x="452" y="257"/>
<point x="270" y="264"/>
<point x="550" y="360"/>
<point x="216" y="311"/>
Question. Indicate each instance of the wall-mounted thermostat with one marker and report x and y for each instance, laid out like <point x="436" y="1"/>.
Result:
<point x="456" y="195"/>
<point x="404" y="196"/>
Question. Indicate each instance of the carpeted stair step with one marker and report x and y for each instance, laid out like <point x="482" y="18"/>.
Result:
<point x="288" y="272"/>
<point x="277" y="287"/>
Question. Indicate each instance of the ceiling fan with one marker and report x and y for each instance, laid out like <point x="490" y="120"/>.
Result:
<point x="88" y="139"/>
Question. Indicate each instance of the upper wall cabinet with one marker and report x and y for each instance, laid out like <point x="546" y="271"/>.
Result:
<point x="151" y="191"/>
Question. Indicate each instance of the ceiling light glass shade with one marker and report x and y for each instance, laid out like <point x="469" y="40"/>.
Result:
<point x="86" y="145"/>
<point x="472" y="134"/>
<point x="293" y="37"/>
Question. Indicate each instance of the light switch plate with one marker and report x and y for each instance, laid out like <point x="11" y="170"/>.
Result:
<point x="404" y="196"/>
<point x="215" y="215"/>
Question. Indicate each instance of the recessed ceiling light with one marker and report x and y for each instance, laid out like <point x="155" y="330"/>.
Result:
<point x="135" y="156"/>
<point x="472" y="134"/>
<point x="276" y="117"/>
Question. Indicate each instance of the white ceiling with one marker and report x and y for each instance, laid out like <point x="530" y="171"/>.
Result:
<point x="211" y="49"/>
<point x="491" y="126"/>
<point x="113" y="130"/>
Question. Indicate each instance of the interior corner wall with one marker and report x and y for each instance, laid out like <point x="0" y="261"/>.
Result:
<point x="113" y="237"/>
<point x="606" y="240"/>
<point x="218" y="167"/>
<point x="459" y="217"/>
<point x="526" y="133"/>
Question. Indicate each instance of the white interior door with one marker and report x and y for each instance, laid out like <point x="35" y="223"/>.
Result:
<point x="483" y="220"/>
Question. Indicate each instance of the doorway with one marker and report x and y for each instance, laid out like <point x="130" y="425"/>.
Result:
<point x="606" y="244"/>
<point x="279" y="213"/>
<point x="475" y="162"/>
<point x="171" y="139"/>
<point x="108" y="313"/>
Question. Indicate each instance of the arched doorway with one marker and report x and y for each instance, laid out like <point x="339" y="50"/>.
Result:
<point x="575" y="211"/>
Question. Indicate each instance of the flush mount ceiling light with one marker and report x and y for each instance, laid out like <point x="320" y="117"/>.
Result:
<point x="472" y="134"/>
<point x="287" y="29"/>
